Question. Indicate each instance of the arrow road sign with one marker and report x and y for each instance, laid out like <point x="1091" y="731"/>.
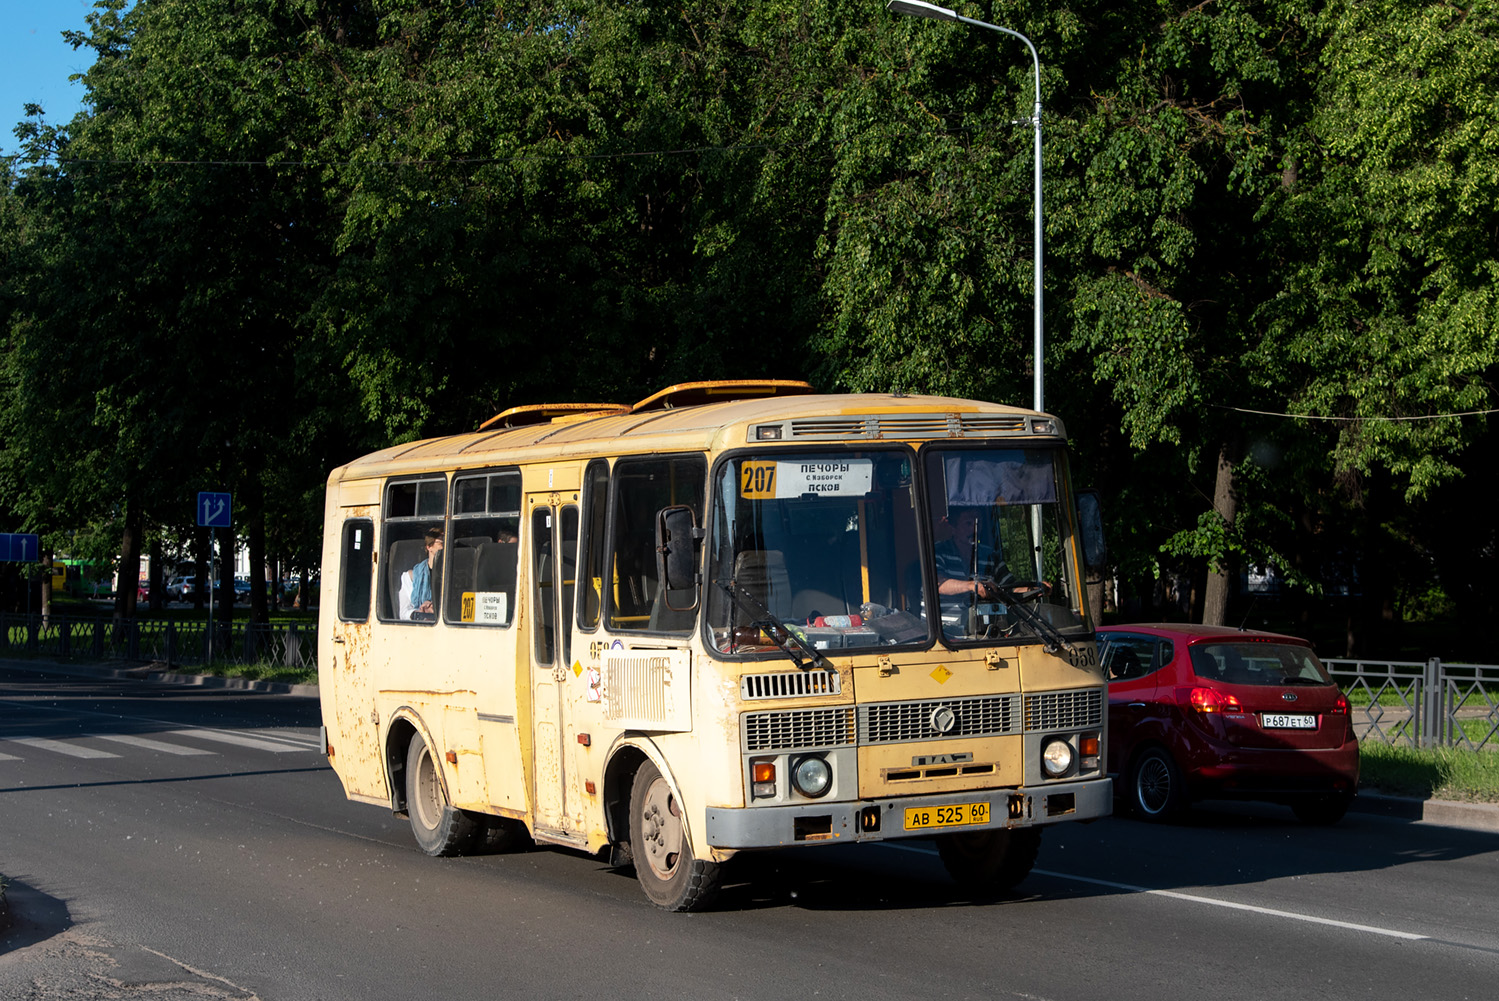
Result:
<point x="213" y="509"/>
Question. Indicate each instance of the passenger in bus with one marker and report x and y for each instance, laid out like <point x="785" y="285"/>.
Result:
<point x="965" y="563"/>
<point x="421" y="576"/>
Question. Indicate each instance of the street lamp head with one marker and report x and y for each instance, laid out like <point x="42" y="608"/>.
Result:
<point x="916" y="8"/>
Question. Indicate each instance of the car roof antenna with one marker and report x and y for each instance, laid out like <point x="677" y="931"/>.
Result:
<point x="1248" y="612"/>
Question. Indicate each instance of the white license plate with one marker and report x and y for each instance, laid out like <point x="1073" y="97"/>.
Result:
<point x="1288" y="721"/>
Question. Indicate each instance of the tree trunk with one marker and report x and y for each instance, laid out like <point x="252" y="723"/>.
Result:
<point x="1226" y="504"/>
<point x="258" y="610"/>
<point x="129" y="576"/>
<point x="158" y="580"/>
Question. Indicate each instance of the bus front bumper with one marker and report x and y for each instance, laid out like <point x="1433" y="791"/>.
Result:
<point x="880" y="820"/>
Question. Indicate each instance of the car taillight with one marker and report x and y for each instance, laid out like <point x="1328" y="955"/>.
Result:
<point x="1210" y="700"/>
<point x="1340" y="707"/>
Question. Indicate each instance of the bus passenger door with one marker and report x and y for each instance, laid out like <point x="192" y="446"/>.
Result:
<point x="554" y="543"/>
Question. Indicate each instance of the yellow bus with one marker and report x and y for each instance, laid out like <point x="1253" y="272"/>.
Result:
<point x="735" y="615"/>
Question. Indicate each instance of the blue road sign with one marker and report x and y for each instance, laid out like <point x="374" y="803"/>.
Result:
<point x="18" y="548"/>
<point x="213" y="509"/>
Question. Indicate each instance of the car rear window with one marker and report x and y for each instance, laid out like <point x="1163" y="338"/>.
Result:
<point x="1258" y="664"/>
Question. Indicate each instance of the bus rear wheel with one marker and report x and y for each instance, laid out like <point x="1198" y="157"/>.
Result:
<point x="439" y="828"/>
<point x="990" y="861"/>
<point x="668" y="872"/>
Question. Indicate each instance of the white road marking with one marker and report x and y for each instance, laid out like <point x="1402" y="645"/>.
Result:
<point x="242" y="741"/>
<point x="1197" y="899"/>
<point x="10" y="757"/>
<point x="1232" y="905"/>
<point x="152" y="745"/>
<point x="62" y="747"/>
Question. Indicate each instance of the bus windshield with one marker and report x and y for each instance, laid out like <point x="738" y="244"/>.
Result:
<point x="825" y="543"/>
<point x="1001" y="543"/>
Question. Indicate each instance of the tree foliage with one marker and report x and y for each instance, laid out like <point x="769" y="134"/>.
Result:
<point x="287" y="232"/>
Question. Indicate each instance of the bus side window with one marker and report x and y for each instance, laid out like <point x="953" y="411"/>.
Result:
<point x="591" y="549"/>
<point x="413" y="508"/>
<point x="641" y="488"/>
<point x="355" y="568"/>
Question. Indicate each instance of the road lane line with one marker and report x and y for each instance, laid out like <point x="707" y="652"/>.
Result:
<point x="234" y="738"/>
<point x="61" y="747"/>
<point x="1232" y="905"/>
<point x="1213" y="901"/>
<point x="9" y="757"/>
<point x="151" y="745"/>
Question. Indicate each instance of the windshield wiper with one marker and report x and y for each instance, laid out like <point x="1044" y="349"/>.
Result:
<point x="1017" y="596"/>
<point x="765" y="620"/>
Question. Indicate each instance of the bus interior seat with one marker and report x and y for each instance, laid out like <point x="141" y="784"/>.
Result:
<point x="400" y="556"/>
<point x="761" y="573"/>
<point x="809" y="602"/>
<point x="472" y="541"/>
<point x="460" y="563"/>
<point x="495" y="568"/>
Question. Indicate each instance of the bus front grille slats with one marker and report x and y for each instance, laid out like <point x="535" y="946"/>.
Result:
<point x="1077" y="709"/>
<point x="797" y="728"/>
<point x="874" y="426"/>
<point x="924" y="719"/>
<point x="789" y="684"/>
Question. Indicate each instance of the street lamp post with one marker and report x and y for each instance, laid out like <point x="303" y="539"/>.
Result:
<point x="916" y="8"/>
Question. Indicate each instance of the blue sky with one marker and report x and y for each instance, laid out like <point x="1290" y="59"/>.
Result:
<point x="35" y="62"/>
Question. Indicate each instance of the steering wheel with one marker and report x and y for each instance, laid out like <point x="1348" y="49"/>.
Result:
<point x="1019" y="590"/>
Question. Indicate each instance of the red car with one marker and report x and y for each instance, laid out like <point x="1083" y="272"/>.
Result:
<point x="1209" y="712"/>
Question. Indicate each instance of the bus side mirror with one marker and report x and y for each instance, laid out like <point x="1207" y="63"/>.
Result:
<point x="1090" y="523"/>
<point x="677" y="539"/>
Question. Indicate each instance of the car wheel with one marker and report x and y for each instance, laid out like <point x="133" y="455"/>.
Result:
<point x="1155" y="786"/>
<point x="990" y="861"/>
<point x="1322" y="811"/>
<point x="664" y="863"/>
<point x="439" y="828"/>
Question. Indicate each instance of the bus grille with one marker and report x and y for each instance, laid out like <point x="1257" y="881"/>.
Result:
<point x="789" y="684"/>
<point x="1075" y="709"/>
<point x="902" y="722"/>
<point x="785" y="731"/>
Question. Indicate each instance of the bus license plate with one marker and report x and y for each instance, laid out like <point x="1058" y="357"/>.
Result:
<point x="1289" y="721"/>
<point x="922" y="818"/>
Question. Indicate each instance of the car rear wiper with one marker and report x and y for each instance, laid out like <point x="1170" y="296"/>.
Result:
<point x="1301" y="680"/>
<point x="765" y="620"/>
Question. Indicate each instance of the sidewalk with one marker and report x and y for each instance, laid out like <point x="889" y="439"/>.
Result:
<point x="1441" y="812"/>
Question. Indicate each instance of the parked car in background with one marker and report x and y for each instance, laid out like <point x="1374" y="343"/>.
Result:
<point x="1210" y="712"/>
<point x="241" y="589"/>
<point x="181" y="588"/>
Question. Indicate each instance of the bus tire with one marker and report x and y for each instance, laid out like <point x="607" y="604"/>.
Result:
<point x="662" y="852"/>
<point x="990" y="861"/>
<point x="439" y="828"/>
<point x="501" y="834"/>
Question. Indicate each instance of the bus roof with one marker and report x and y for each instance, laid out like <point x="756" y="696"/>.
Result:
<point x="660" y="424"/>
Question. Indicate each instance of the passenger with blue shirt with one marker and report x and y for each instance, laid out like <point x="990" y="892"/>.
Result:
<point x="421" y="577"/>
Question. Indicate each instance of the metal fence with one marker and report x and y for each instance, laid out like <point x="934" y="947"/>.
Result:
<point x="167" y="641"/>
<point x="1422" y="704"/>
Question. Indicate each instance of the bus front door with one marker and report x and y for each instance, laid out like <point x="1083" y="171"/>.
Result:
<point x="554" y="542"/>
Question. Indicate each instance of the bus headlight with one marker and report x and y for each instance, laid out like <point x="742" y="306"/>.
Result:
<point x="812" y="776"/>
<point x="1056" y="757"/>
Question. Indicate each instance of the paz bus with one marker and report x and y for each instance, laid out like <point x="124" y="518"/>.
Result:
<point x="735" y="615"/>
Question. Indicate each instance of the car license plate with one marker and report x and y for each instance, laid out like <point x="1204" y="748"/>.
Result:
<point x="1289" y="721"/>
<point x="924" y="817"/>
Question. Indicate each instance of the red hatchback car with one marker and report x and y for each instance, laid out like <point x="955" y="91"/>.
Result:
<point x="1209" y="712"/>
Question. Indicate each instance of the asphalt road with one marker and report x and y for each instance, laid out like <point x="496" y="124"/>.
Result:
<point x="201" y="849"/>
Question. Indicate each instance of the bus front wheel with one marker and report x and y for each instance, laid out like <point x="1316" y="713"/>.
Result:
<point x="668" y="872"/>
<point x="990" y="861"/>
<point x="439" y="828"/>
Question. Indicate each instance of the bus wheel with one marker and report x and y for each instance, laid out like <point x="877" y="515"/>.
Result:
<point x="439" y="829"/>
<point x="990" y="861"/>
<point x="664" y="863"/>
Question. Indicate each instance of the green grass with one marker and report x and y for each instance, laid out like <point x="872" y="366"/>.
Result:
<point x="1434" y="773"/>
<point x="254" y="672"/>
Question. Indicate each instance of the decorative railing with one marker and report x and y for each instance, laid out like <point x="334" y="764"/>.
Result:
<point x="168" y="641"/>
<point x="1422" y="704"/>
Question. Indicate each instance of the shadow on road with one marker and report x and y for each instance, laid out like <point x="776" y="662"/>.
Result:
<point x="30" y="916"/>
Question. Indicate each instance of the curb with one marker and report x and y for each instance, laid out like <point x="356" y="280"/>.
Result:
<point x="157" y="671"/>
<point x="1441" y="812"/>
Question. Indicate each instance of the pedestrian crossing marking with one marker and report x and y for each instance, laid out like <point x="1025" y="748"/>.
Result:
<point x="152" y="745"/>
<point x="63" y="747"/>
<point x="8" y="757"/>
<point x="234" y="738"/>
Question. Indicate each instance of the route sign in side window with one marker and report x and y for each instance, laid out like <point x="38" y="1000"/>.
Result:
<point x="484" y="549"/>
